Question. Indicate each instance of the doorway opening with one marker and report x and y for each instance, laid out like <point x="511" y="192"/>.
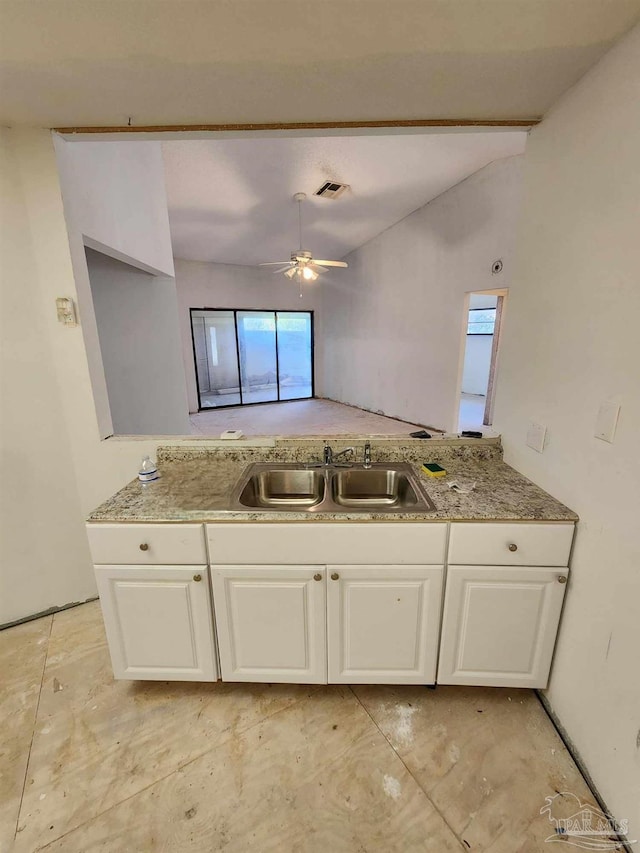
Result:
<point x="243" y="357"/>
<point x="484" y="313"/>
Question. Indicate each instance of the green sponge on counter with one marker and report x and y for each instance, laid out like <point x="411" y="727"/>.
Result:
<point x="431" y="469"/>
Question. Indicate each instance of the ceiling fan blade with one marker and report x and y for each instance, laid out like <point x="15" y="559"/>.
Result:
<point x="317" y="269"/>
<point x="330" y="263"/>
<point x="274" y="263"/>
<point x="281" y="269"/>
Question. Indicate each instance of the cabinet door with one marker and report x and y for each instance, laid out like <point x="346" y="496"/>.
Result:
<point x="271" y="623"/>
<point x="383" y="623"/>
<point x="499" y="625"/>
<point x="159" y="622"/>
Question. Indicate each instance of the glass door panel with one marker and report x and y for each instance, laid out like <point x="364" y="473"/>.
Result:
<point x="216" y="358"/>
<point x="244" y="357"/>
<point x="295" y="361"/>
<point x="258" y="356"/>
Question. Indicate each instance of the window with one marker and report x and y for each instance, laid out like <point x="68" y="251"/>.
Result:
<point x="481" y="321"/>
<point x="243" y="357"/>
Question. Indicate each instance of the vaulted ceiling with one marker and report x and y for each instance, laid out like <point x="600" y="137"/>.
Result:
<point x="231" y="200"/>
<point x="108" y="62"/>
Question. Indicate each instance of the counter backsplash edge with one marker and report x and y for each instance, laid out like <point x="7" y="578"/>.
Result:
<point x="297" y="450"/>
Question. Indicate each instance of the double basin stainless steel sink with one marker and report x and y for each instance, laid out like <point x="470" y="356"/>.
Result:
<point x="292" y="487"/>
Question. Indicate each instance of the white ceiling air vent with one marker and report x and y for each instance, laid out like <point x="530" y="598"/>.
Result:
<point x="331" y="189"/>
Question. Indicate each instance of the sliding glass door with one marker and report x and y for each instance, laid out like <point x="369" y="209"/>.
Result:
<point x="258" y="356"/>
<point x="244" y="357"/>
<point x="214" y="350"/>
<point x="294" y="331"/>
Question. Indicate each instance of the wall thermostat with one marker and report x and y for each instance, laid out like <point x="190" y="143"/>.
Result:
<point x="496" y="266"/>
<point x="232" y="434"/>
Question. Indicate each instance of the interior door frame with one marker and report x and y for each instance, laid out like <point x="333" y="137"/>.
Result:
<point x="502" y="294"/>
<point x="487" y="420"/>
<point x="235" y="312"/>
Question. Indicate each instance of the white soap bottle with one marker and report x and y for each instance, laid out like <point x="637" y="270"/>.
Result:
<point x="147" y="470"/>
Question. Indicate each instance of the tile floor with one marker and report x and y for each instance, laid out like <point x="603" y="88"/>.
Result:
<point x="90" y="764"/>
<point x="299" y="417"/>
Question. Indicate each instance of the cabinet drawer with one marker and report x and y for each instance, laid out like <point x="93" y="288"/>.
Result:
<point x="321" y="543"/>
<point x="147" y="544"/>
<point x="510" y="544"/>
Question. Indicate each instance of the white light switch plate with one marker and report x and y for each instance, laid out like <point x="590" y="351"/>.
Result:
<point x="536" y="435"/>
<point x="607" y="421"/>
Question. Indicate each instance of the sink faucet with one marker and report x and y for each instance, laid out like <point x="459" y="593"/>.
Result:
<point x="366" y="459"/>
<point x="329" y="457"/>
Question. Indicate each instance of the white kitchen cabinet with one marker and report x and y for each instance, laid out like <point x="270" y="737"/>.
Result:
<point x="383" y="623"/>
<point x="271" y="622"/>
<point x="499" y="625"/>
<point x="159" y="622"/>
<point x="338" y="602"/>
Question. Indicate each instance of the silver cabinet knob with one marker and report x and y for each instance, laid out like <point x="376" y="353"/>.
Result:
<point x="513" y="547"/>
<point x="197" y="578"/>
<point x="144" y="546"/>
<point x="335" y="576"/>
<point x="562" y="578"/>
<point x="317" y="576"/>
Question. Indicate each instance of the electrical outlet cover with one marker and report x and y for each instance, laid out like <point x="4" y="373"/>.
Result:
<point x="536" y="435"/>
<point x="607" y="421"/>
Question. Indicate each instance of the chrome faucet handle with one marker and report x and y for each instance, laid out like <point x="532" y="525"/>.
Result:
<point x="350" y="450"/>
<point x="366" y="458"/>
<point x="327" y="454"/>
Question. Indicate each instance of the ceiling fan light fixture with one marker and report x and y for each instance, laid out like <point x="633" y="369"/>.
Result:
<point x="303" y="266"/>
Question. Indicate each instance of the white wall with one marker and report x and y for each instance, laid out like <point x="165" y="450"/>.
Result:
<point x="114" y="193"/>
<point x="70" y="470"/>
<point x="137" y="319"/>
<point x="477" y="362"/>
<point x="114" y="201"/>
<point x="394" y="321"/>
<point x="44" y="556"/>
<point x="204" y="285"/>
<point x="572" y="342"/>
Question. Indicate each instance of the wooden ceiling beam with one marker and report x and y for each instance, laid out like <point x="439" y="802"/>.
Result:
<point x="302" y="125"/>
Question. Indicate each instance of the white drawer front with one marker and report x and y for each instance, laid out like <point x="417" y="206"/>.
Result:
<point x="147" y="544"/>
<point x="355" y="544"/>
<point x="510" y="544"/>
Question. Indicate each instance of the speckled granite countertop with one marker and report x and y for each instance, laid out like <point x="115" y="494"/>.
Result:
<point x="196" y="486"/>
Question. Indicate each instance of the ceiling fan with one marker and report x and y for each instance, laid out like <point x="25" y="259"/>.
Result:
<point x="302" y="266"/>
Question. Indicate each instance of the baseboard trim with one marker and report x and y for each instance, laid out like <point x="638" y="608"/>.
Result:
<point x="47" y="612"/>
<point x="582" y="767"/>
